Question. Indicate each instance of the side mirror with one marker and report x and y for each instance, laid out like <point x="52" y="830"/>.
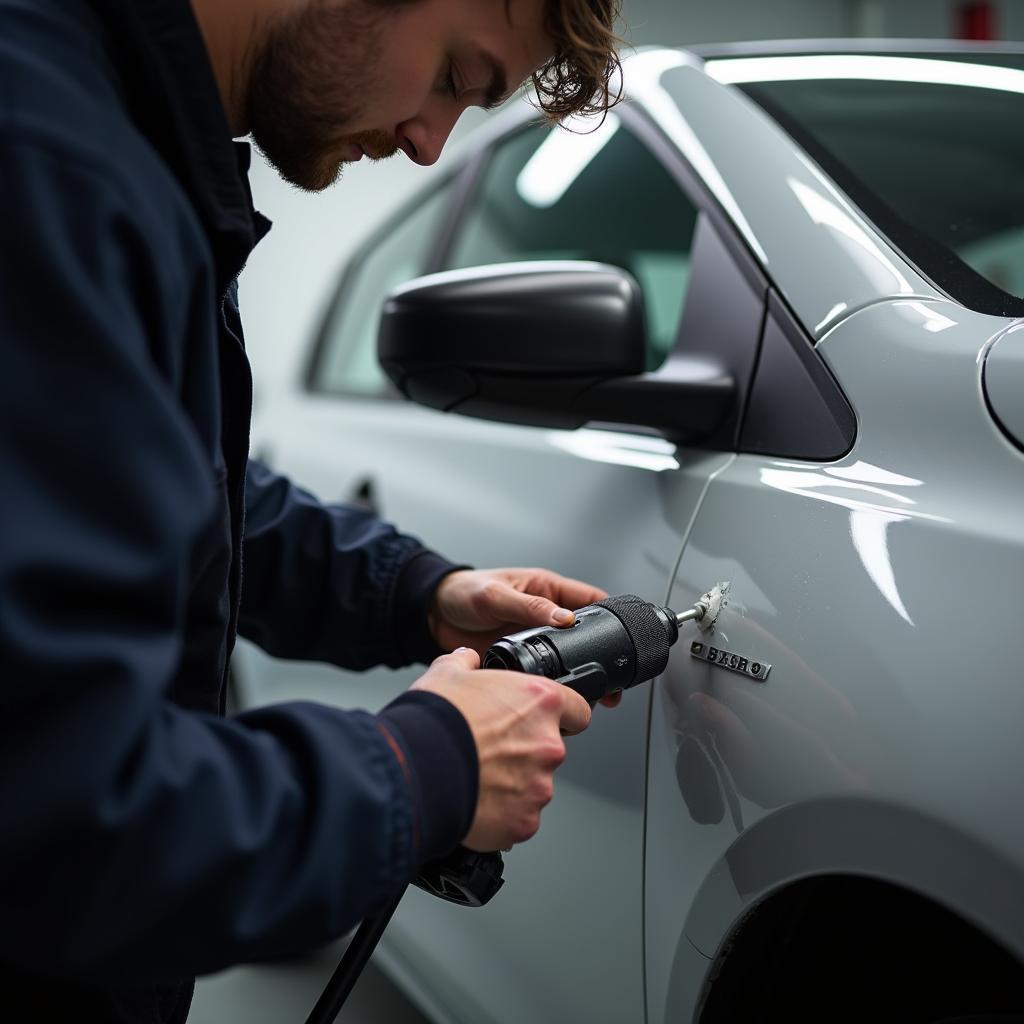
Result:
<point x="551" y="344"/>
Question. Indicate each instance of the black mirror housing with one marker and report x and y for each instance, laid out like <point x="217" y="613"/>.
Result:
<point x="554" y="344"/>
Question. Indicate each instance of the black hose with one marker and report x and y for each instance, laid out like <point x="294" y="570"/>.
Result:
<point x="346" y="974"/>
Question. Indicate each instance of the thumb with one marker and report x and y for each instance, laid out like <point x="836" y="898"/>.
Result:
<point x="460" y="658"/>
<point x="576" y="712"/>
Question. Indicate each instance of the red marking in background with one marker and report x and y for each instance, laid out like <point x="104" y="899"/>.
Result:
<point x="976" y="20"/>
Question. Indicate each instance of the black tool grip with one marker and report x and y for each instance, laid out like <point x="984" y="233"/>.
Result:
<point x="652" y="630"/>
<point x="614" y="644"/>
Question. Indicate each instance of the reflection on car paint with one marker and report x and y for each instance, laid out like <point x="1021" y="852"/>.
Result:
<point x="652" y="453"/>
<point x="869" y="520"/>
<point x="924" y="314"/>
<point x="934" y="321"/>
<point x="828" y="212"/>
<point x="733" y="740"/>
<point x="866" y="472"/>
<point x="869" y="532"/>
<point x="833" y="314"/>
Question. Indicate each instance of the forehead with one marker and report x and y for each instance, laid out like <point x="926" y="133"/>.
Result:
<point x="517" y="26"/>
<point x="527" y="45"/>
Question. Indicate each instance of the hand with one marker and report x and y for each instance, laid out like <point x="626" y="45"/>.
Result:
<point x="516" y="721"/>
<point x="474" y="607"/>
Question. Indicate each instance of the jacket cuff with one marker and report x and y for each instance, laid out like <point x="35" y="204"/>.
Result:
<point x="438" y="756"/>
<point x="414" y="592"/>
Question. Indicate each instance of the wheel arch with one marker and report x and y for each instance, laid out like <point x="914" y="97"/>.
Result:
<point x="876" y="864"/>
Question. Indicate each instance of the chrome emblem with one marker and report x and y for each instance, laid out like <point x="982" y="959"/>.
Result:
<point x="749" y="667"/>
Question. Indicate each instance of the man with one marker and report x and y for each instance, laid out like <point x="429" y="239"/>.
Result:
<point x="146" y="838"/>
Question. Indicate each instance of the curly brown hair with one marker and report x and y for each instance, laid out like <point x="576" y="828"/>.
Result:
<point x="578" y="77"/>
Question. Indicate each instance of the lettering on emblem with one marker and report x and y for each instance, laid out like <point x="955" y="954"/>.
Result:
<point x="749" y="667"/>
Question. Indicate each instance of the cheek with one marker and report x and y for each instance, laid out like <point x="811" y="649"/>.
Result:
<point x="404" y="78"/>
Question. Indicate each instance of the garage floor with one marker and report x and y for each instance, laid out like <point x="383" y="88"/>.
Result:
<point x="285" y="993"/>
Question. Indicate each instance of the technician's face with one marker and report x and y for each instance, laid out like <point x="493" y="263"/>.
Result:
<point x="337" y="79"/>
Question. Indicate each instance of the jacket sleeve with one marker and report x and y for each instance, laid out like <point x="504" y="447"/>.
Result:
<point x="143" y="842"/>
<point x="333" y="582"/>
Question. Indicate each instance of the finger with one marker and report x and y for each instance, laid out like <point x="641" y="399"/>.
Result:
<point x="506" y="604"/>
<point x="461" y="657"/>
<point x="575" y="593"/>
<point x="576" y="712"/>
<point x="612" y="700"/>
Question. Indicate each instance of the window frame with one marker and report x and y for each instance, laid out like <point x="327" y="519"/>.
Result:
<point x="461" y="180"/>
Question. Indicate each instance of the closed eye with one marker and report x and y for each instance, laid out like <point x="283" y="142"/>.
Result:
<point x="449" y="82"/>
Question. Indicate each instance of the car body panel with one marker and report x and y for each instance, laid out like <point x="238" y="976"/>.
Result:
<point x="498" y="496"/>
<point x="885" y="590"/>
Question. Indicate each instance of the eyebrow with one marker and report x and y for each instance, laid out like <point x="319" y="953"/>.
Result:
<point x="497" y="88"/>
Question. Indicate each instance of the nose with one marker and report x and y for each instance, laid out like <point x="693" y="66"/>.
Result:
<point x="423" y="137"/>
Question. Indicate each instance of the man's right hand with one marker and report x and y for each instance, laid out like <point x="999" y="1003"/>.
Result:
<point x="517" y="722"/>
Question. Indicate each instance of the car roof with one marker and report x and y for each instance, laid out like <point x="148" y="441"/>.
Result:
<point x="787" y="47"/>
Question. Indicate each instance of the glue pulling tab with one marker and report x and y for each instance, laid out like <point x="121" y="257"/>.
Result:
<point x="707" y="609"/>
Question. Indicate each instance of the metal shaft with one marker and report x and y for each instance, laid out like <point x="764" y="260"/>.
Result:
<point x="695" y="614"/>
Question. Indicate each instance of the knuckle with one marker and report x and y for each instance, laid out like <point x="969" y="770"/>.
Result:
<point x="529" y="827"/>
<point x="553" y="753"/>
<point x="550" y="694"/>
<point x="545" y="792"/>
<point x="543" y="689"/>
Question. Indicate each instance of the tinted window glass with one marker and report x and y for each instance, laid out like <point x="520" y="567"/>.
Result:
<point x="552" y="194"/>
<point x="348" y="357"/>
<point x="935" y="140"/>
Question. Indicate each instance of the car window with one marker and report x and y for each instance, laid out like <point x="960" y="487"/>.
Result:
<point x="922" y="144"/>
<point x="549" y="193"/>
<point x="347" y="358"/>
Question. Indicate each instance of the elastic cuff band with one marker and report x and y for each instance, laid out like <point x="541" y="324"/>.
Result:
<point x="443" y="768"/>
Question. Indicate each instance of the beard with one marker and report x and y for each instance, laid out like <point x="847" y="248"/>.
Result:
<point x="304" y="87"/>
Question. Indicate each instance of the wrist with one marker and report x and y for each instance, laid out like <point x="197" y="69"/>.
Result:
<point x="416" y="617"/>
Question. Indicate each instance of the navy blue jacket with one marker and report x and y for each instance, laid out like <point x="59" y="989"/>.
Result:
<point x="144" y="837"/>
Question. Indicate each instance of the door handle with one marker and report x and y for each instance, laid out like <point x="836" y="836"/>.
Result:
<point x="364" y="495"/>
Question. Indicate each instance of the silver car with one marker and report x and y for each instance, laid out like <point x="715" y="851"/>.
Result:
<point x="827" y="245"/>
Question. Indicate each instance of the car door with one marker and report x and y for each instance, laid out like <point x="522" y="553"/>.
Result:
<point x="563" y="940"/>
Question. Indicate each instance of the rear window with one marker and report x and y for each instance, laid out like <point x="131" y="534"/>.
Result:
<point x="930" y="146"/>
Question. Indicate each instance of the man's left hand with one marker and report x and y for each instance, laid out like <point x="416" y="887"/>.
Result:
<point x="475" y="607"/>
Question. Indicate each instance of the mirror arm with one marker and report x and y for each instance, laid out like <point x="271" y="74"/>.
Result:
<point x="686" y="399"/>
